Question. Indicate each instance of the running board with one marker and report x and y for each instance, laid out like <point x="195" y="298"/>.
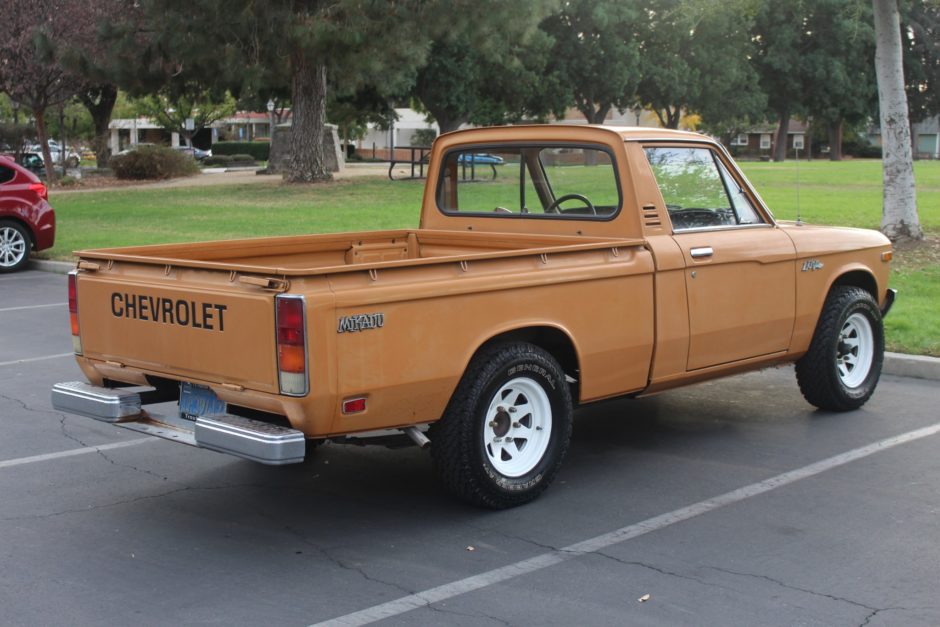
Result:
<point x="235" y="435"/>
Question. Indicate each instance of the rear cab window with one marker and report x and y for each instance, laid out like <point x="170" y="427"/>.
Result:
<point x="6" y="174"/>
<point x="698" y="189"/>
<point x="530" y="181"/>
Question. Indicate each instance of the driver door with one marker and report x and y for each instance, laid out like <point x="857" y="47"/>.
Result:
<point x="740" y="268"/>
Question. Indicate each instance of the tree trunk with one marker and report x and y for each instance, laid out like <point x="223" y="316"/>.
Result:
<point x="780" y="137"/>
<point x="445" y="123"/>
<point x="40" y="115"/>
<point x="99" y="101"/>
<point x="307" y="160"/>
<point x="835" y="140"/>
<point x="673" y="117"/>
<point x="899" y="215"/>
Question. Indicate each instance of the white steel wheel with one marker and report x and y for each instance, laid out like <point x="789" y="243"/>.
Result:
<point x="505" y="432"/>
<point x="855" y="350"/>
<point x="13" y="246"/>
<point x="840" y="370"/>
<point x="518" y="426"/>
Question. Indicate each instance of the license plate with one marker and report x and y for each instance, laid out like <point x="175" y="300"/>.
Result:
<point x="198" y="400"/>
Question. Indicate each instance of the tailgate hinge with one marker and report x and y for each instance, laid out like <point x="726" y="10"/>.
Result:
<point x="88" y="266"/>
<point x="266" y="283"/>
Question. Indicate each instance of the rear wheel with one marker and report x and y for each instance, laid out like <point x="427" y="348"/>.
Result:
<point x="842" y="367"/>
<point x="14" y="246"/>
<point x="506" y="430"/>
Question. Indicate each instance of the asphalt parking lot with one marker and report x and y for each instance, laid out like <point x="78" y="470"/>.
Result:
<point x="727" y="503"/>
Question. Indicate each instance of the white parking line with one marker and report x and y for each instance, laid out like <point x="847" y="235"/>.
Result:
<point x="29" y="359"/>
<point x="593" y="545"/>
<point x="33" y="307"/>
<point x="73" y="452"/>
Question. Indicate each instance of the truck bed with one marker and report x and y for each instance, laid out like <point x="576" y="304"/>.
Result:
<point x="331" y="253"/>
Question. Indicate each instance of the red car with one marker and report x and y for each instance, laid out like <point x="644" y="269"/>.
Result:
<point x="27" y="221"/>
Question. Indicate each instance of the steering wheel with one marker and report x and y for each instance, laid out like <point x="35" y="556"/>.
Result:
<point x="554" y="207"/>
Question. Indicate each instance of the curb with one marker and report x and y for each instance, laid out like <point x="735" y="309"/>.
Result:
<point x="58" y="267"/>
<point x="915" y="366"/>
<point x="897" y="364"/>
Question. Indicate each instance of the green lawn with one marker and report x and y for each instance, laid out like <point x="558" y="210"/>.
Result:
<point x="846" y="193"/>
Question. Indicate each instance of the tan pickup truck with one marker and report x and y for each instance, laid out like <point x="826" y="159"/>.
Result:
<point x="554" y="266"/>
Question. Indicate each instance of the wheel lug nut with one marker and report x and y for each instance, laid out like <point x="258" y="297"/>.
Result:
<point x="492" y="424"/>
<point x="538" y="428"/>
<point x="497" y="439"/>
<point x="516" y="425"/>
<point x="512" y="410"/>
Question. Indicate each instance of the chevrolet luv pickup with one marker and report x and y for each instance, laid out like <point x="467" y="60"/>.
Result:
<point x="554" y="266"/>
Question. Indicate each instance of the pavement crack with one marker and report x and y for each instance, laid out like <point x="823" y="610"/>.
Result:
<point x="131" y="466"/>
<point x="661" y="571"/>
<point x="442" y="610"/>
<point x="831" y="597"/>
<point x="48" y="412"/>
<point x="359" y="570"/>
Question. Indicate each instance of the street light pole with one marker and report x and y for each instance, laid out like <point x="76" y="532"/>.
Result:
<point x="271" y="119"/>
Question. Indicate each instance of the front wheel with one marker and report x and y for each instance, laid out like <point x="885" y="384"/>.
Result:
<point x="843" y="364"/>
<point x="506" y="430"/>
<point x="14" y="246"/>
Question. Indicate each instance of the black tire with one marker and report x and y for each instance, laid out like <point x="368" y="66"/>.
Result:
<point x="462" y="459"/>
<point x="818" y="372"/>
<point x="15" y="245"/>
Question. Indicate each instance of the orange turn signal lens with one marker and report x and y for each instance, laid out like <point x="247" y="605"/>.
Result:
<point x="887" y="256"/>
<point x="291" y="358"/>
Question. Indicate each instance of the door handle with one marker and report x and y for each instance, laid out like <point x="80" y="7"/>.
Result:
<point x="704" y="251"/>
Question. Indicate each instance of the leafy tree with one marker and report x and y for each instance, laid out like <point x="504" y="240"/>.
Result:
<point x="920" y="20"/>
<point x="835" y="67"/>
<point x="304" y="44"/>
<point x="899" y="219"/>
<point x="28" y="73"/>
<point x="488" y="67"/>
<point x="695" y="58"/>
<point x="186" y="115"/>
<point x="780" y="39"/>
<point x="596" y="55"/>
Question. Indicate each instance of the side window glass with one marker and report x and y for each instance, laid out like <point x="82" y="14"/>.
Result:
<point x="744" y="211"/>
<point x="695" y="190"/>
<point x="6" y="175"/>
<point x="547" y="181"/>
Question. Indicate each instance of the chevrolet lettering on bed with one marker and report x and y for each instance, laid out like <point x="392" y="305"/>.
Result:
<point x="185" y="313"/>
<point x="554" y="266"/>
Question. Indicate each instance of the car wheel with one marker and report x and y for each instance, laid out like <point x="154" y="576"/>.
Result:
<point x="506" y="430"/>
<point x="842" y="367"/>
<point x="14" y="246"/>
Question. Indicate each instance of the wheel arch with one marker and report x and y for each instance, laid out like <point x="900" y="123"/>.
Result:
<point x="857" y="277"/>
<point x="12" y="217"/>
<point x="552" y="339"/>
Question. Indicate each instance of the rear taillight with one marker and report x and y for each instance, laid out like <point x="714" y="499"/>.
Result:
<point x="290" y="321"/>
<point x="40" y="190"/>
<point x="73" y="312"/>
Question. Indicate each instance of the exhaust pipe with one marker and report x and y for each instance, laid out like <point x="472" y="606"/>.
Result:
<point x="417" y="437"/>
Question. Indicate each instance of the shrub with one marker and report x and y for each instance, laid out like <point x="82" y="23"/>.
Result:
<point x="68" y="181"/>
<point x="243" y="158"/>
<point x="218" y="160"/>
<point x="153" y="162"/>
<point x="259" y="151"/>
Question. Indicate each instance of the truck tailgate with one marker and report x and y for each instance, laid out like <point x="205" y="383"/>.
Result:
<point x="191" y="325"/>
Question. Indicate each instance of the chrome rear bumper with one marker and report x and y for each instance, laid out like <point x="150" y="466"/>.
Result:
<point x="243" y="437"/>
